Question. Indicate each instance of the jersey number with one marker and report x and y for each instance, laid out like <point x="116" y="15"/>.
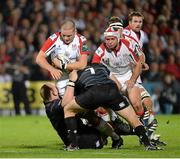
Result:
<point x="91" y="70"/>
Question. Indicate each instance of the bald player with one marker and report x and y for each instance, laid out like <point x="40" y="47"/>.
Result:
<point x="69" y="47"/>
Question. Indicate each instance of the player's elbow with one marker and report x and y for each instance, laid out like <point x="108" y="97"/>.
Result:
<point x="38" y="58"/>
<point x="83" y="65"/>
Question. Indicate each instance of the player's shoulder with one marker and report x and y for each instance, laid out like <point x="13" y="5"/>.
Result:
<point x="125" y="41"/>
<point x="100" y="50"/>
<point x="81" y="37"/>
<point x="126" y="31"/>
<point x="54" y="36"/>
<point x="142" y="31"/>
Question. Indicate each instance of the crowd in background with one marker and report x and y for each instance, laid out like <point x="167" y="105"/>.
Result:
<point x="25" y="25"/>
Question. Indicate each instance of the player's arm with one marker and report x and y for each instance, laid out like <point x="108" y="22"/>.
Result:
<point x="69" y="93"/>
<point x="136" y="71"/>
<point x="43" y="63"/>
<point x="82" y="60"/>
<point x="116" y="81"/>
<point x="134" y="46"/>
<point x="78" y="65"/>
<point x="145" y="66"/>
<point x="141" y="56"/>
<point x="136" y="55"/>
<point x="47" y="50"/>
<point x="98" y="54"/>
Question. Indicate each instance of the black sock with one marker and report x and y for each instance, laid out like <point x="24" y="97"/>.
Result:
<point x="141" y="132"/>
<point x="105" y="129"/>
<point x="71" y="124"/>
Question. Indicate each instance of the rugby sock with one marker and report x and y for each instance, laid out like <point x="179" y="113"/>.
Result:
<point x="113" y="115"/>
<point x="71" y="124"/>
<point x="152" y="127"/>
<point x="145" y="117"/>
<point x="107" y="130"/>
<point x="122" y="128"/>
<point x="141" y="132"/>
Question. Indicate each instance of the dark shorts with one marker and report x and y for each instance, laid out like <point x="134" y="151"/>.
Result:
<point x="88" y="137"/>
<point x="102" y="95"/>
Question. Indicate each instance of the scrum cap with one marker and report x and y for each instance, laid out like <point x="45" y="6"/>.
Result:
<point x="116" y="22"/>
<point x="111" y="31"/>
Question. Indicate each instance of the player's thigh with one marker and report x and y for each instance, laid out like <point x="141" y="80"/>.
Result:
<point x="134" y="95"/>
<point x="73" y="106"/>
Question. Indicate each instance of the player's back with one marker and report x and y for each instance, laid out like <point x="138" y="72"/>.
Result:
<point x="95" y="74"/>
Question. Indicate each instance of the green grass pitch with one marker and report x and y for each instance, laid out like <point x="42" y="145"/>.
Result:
<point x="33" y="137"/>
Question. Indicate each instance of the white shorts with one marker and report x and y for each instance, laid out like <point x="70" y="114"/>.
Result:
<point x="61" y="85"/>
<point x="123" y="78"/>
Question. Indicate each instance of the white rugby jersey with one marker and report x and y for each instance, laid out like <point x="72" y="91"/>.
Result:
<point x="54" y="44"/>
<point x="132" y="36"/>
<point x="72" y="50"/>
<point x="119" y="62"/>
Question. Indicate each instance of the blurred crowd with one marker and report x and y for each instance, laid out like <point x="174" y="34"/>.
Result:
<point x="25" y="25"/>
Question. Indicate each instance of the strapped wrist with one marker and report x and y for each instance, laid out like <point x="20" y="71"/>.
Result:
<point x="64" y="66"/>
<point x="71" y="84"/>
<point x="71" y="81"/>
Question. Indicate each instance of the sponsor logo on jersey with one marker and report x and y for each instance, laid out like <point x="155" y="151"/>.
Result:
<point x="137" y="50"/>
<point x="52" y="37"/>
<point x="99" y="51"/>
<point x="82" y="38"/>
<point x="126" y="32"/>
<point x="74" y="46"/>
<point x="84" y="47"/>
<point x="106" y="61"/>
<point x="122" y="104"/>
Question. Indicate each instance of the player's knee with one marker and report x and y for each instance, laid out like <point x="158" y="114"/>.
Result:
<point x="137" y="105"/>
<point x="147" y="101"/>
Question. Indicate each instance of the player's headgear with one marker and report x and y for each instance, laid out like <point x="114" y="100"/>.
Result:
<point x="111" y="31"/>
<point x="115" y="22"/>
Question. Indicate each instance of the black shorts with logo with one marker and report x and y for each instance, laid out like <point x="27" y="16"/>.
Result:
<point x="106" y="95"/>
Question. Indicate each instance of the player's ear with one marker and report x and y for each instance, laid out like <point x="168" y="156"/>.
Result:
<point x="53" y="88"/>
<point x="54" y="91"/>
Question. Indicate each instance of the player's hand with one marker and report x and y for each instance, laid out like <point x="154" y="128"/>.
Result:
<point x="145" y="67"/>
<point x="73" y="75"/>
<point x="57" y="63"/>
<point x="130" y="83"/>
<point x="55" y="73"/>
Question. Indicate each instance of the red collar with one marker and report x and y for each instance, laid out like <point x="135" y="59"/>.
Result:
<point x="117" y="48"/>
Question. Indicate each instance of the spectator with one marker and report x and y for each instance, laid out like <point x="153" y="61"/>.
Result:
<point x="19" y="90"/>
<point x="171" y="67"/>
<point x="153" y="74"/>
<point x="168" y="97"/>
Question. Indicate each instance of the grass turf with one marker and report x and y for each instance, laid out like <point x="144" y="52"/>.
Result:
<point x="33" y="137"/>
